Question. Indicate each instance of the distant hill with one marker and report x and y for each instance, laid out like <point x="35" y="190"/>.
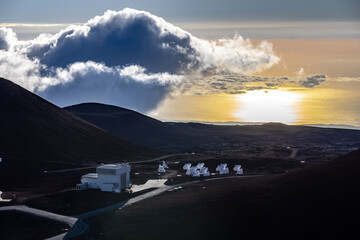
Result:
<point x="34" y="129"/>
<point x="126" y="124"/>
<point x="141" y="129"/>
<point x="317" y="202"/>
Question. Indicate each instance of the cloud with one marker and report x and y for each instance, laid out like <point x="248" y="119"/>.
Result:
<point x="7" y="37"/>
<point x="21" y="70"/>
<point x="232" y="83"/>
<point x="301" y="71"/>
<point x="125" y="38"/>
<point x="136" y="37"/>
<point x="237" y="55"/>
<point x="312" y="81"/>
<point x="94" y="82"/>
<point x="128" y="58"/>
<point x="345" y="79"/>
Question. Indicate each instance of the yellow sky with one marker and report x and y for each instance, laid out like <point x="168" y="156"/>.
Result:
<point x="332" y="103"/>
<point x="335" y="101"/>
<point x="333" y="57"/>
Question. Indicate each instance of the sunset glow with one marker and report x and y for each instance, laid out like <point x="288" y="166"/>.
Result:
<point x="179" y="119"/>
<point x="268" y="106"/>
<point x="211" y="67"/>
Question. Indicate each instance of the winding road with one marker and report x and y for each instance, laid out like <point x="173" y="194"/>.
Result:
<point x="77" y="224"/>
<point x="96" y="165"/>
<point x="294" y="152"/>
<point x="73" y="222"/>
<point x="78" y="231"/>
<point x="40" y="213"/>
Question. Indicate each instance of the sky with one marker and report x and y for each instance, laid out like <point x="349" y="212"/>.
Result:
<point x="69" y="11"/>
<point x="206" y="60"/>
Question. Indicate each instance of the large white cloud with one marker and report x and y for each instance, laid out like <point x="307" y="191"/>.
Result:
<point x="129" y="58"/>
<point x="7" y="37"/>
<point x="137" y="37"/>
<point x="129" y="86"/>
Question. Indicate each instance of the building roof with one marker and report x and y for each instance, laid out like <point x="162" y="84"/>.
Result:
<point x="90" y="175"/>
<point x="113" y="166"/>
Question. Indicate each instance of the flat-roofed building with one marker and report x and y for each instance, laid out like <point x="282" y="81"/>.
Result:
<point x="108" y="178"/>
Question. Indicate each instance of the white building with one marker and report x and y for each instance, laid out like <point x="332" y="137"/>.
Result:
<point x="220" y="167"/>
<point x="240" y="171"/>
<point x="161" y="169"/>
<point x="196" y="173"/>
<point x="200" y="165"/>
<point x="223" y="171"/>
<point x="108" y="178"/>
<point x="203" y="170"/>
<point x="191" y="170"/>
<point x="187" y="166"/>
<point x="237" y="167"/>
<point x="164" y="164"/>
<point x="206" y="174"/>
<point x="3" y="200"/>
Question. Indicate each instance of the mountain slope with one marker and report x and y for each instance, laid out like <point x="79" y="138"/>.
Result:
<point x="141" y="129"/>
<point x="317" y="202"/>
<point x="32" y="128"/>
<point x="130" y="125"/>
<point x="120" y="121"/>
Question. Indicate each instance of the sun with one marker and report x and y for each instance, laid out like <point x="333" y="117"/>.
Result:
<point x="268" y="106"/>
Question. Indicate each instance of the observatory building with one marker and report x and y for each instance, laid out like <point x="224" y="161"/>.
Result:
<point x="108" y="178"/>
<point x="4" y="200"/>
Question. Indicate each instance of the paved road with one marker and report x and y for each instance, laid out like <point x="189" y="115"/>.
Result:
<point x="294" y="152"/>
<point x="158" y="159"/>
<point x="73" y="222"/>
<point x="96" y="165"/>
<point x="40" y="213"/>
<point x="78" y="231"/>
<point x="71" y="169"/>
<point x="150" y="195"/>
<point x="79" y="227"/>
<point x="126" y="203"/>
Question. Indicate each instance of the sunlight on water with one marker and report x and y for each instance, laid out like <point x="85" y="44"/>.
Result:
<point x="268" y="106"/>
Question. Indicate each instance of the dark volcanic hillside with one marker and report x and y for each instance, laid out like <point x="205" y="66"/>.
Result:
<point x="138" y="128"/>
<point x="127" y="124"/>
<point x="34" y="129"/>
<point x="318" y="202"/>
